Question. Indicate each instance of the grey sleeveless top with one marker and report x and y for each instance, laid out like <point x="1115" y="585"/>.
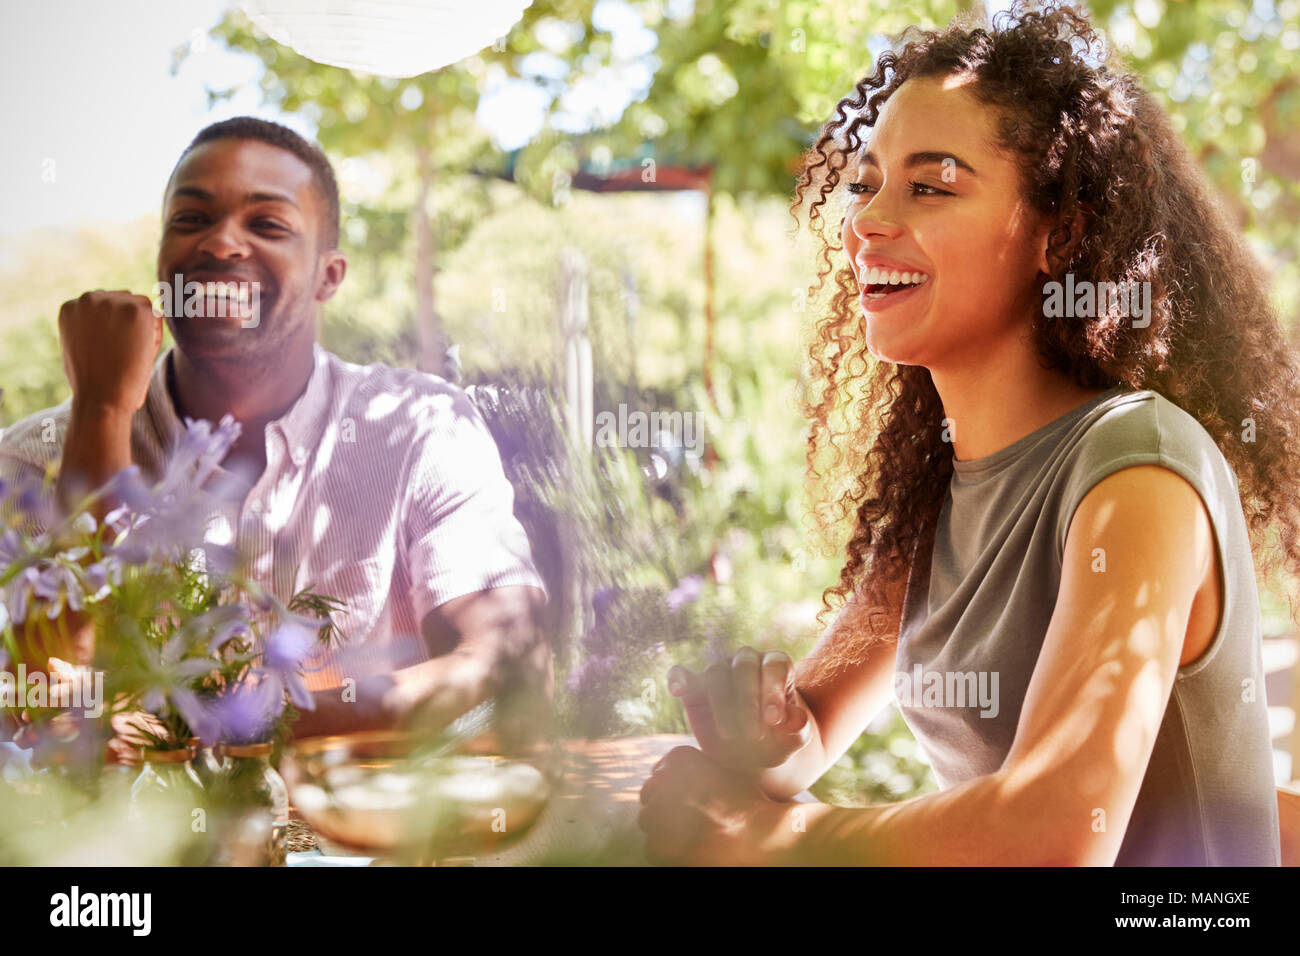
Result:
<point x="978" y="619"/>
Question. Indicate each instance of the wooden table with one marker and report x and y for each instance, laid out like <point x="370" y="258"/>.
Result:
<point x="592" y="819"/>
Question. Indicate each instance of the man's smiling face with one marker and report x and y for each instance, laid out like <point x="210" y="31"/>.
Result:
<point x="244" y="211"/>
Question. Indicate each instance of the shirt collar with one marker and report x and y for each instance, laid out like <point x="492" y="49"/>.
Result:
<point x="305" y="422"/>
<point x="302" y="425"/>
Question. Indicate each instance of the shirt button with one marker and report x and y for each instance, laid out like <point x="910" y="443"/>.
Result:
<point x="300" y="456"/>
<point x="255" y="507"/>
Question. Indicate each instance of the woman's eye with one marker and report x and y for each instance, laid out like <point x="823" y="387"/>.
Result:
<point x="268" y="224"/>
<point x="921" y="189"/>
<point x="933" y="190"/>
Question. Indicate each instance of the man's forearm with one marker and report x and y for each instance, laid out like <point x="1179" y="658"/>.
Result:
<point x="496" y="650"/>
<point x="968" y="825"/>
<point x="96" y="447"/>
<point x="440" y="689"/>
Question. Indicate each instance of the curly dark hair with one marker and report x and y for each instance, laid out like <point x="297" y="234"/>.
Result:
<point x="1093" y="144"/>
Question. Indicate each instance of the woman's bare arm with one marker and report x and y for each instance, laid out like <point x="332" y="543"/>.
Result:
<point x="842" y="697"/>
<point x="1090" y="716"/>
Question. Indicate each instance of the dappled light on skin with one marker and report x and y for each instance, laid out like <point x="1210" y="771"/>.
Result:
<point x="1084" y="722"/>
<point x="1093" y="740"/>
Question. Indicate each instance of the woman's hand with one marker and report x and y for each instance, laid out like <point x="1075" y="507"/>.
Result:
<point x="746" y="714"/>
<point x="697" y="813"/>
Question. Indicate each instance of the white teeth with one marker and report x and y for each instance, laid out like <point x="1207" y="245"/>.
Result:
<point x="236" y="295"/>
<point x="877" y="276"/>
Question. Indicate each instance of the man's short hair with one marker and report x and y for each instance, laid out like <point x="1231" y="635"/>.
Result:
<point x="274" y="134"/>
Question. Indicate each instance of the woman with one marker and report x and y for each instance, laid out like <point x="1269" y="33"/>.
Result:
<point x="1051" y="562"/>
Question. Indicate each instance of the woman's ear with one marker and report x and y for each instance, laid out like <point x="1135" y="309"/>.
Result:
<point x="1078" y="221"/>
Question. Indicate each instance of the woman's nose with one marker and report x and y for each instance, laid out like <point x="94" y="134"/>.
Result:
<point x="873" y="219"/>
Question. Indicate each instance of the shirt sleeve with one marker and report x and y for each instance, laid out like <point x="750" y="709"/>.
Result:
<point x="20" y="471"/>
<point x="1152" y="432"/>
<point x="462" y="531"/>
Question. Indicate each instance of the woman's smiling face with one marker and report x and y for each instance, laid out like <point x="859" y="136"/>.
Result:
<point x="932" y="194"/>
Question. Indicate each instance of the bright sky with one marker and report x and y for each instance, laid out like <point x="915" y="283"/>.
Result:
<point x="93" y="120"/>
<point x="86" y="101"/>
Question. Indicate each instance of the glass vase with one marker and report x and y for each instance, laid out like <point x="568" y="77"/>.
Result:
<point x="258" y="797"/>
<point x="167" y="787"/>
<point x="207" y="765"/>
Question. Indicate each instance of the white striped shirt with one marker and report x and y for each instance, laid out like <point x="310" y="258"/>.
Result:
<point x="383" y="488"/>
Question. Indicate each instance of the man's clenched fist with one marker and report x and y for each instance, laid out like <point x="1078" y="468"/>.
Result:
<point x="109" y="343"/>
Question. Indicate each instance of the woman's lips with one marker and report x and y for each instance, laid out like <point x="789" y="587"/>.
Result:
<point x="890" y="299"/>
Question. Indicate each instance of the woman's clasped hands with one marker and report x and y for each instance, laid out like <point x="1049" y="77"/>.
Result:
<point x="707" y="805"/>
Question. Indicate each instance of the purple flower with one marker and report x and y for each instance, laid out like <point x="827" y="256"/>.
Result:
<point x="29" y="500"/>
<point x="199" y="451"/>
<point x="289" y="645"/>
<point x="18" y="589"/>
<point x="100" y="575"/>
<point x="590" y="673"/>
<point x="285" y="650"/>
<point x="16" y="600"/>
<point x="245" y="713"/>
<point x="219" y="558"/>
<point x="242" y="713"/>
<point x="55" y="583"/>
<point x="174" y="671"/>
<point x="129" y="488"/>
<point x="45" y="583"/>
<point x="11" y="547"/>
<point x="169" y="520"/>
<point x="197" y="714"/>
<point x="97" y="575"/>
<point x="687" y="591"/>
<point x="228" y="622"/>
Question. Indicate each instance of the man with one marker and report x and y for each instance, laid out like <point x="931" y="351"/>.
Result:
<point x="380" y="487"/>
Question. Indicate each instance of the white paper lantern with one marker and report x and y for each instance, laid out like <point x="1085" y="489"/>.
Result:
<point x="385" y="37"/>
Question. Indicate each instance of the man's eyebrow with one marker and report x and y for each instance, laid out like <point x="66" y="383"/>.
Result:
<point x="922" y="158"/>
<point x="194" y="192"/>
